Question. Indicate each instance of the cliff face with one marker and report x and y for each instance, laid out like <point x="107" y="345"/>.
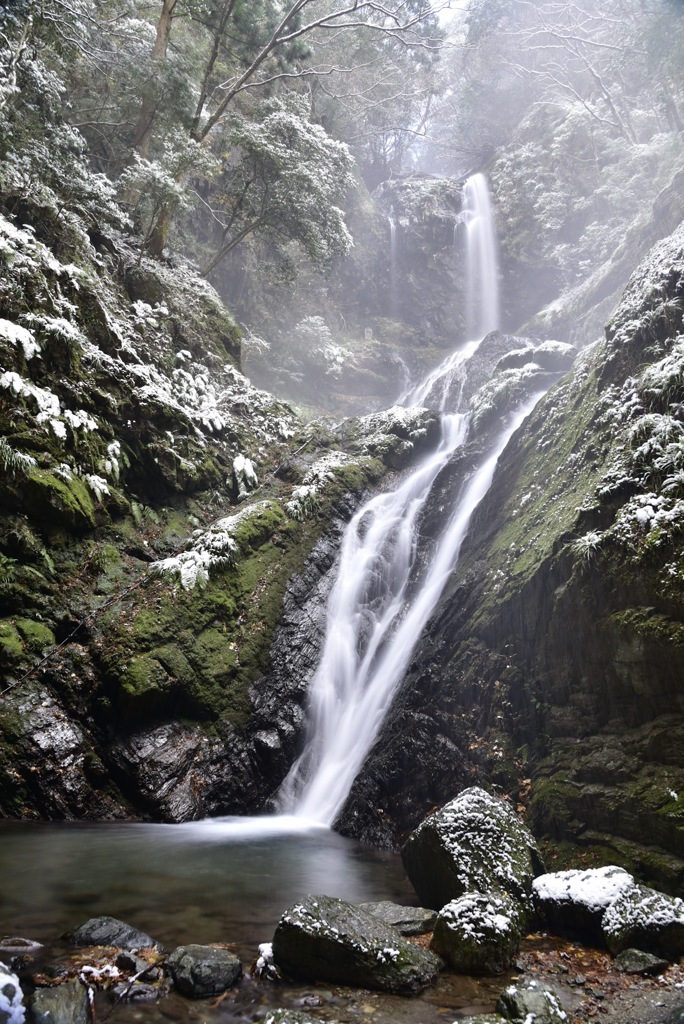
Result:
<point x="151" y="516"/>
<point x="554" y="664"/>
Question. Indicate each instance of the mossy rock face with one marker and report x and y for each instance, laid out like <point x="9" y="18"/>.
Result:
<point x="22" y="637"/>
<point x="49" y="500"/>
<point x="145" y="686"/>
<point x="327" y="938"/>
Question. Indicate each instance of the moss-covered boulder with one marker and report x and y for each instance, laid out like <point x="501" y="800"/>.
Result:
<point x="573" y="902"/>
<point x="530" y="1001"/>
<point x="646" y="919"/>
<point x="328" y="938"/>
<point x="478" y="933"/>
<point x="52" y="500"/>
<point x="475" y="843"/>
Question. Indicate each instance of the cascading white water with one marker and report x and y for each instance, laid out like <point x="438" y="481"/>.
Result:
<point x="371" y="630"/>
<point x="482" y="258"/>
<point x="394" y="283"/>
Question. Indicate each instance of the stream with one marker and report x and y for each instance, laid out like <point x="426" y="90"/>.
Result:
<point x="223" y="880"/>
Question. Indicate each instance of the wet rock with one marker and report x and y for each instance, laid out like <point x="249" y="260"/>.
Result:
<point x="479" y="934"/>
<point x="530" y="1002"/>
<point x="138" y="992"/>
<point x="645" y="919"/>
<point x="332" y="940"/>
<point x="11" y="998"/>
<point x="635" y="961"/>
<point x="475" y="843"/>
<point x="573" y="902"/>
<point x="64" y="1004"/>
<point x="14" y="944"/>
<point x="109" y="931"/>
<point x="407" y="920"/>
<point x="202" y="971"/>
<point x="395" y="435"/>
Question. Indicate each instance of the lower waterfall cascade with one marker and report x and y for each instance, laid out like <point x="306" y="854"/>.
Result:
<point x="372" y="625"/>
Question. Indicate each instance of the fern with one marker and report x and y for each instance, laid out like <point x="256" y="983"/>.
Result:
<point x="14" y="462"/>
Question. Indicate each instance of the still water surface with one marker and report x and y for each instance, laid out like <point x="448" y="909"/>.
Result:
<point x="224" y="880"/>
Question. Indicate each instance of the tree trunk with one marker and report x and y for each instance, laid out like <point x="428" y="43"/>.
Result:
<point x="150" y="96"/>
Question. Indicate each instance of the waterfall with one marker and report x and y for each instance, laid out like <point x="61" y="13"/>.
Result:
<point x="482" y="258"/>
<point x="394" y="285"/>
<point x="372" y="630"/>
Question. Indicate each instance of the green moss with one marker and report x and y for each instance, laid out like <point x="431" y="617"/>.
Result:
<point x="36" y="635"/>
<point x="550" y="808"/>
<point x="144" y="686"/>
<point x="49" y="499"/>
<point x="650" y="625"/>
<point x="11" y="647"/>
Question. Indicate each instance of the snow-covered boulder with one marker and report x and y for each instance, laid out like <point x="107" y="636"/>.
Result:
<point x="11" y="998"/>
<point x="531" y="1002"/>
<point x="573" y="902"/>
<point x="475" y="843"/>
<point x="330" y="939"/>
<point x="479" y="934"/>
<point x="643" y="918"/>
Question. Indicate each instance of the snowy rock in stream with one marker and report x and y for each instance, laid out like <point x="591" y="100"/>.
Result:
<point x="475" y="843"/>
<point x="531" y="1002"/>
<point x="479" y="934"/>
<point x="11" y="1004"/>
<point x="645" y="919"/>
<point x="325" y="938"/>
<point x="573" y="902"/>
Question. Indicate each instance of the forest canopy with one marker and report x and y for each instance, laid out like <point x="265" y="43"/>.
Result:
<point x="208" y="125"/>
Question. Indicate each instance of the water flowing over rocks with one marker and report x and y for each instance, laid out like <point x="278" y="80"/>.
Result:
<point x="552" y="665"/>
<point x="327" y="938"/>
